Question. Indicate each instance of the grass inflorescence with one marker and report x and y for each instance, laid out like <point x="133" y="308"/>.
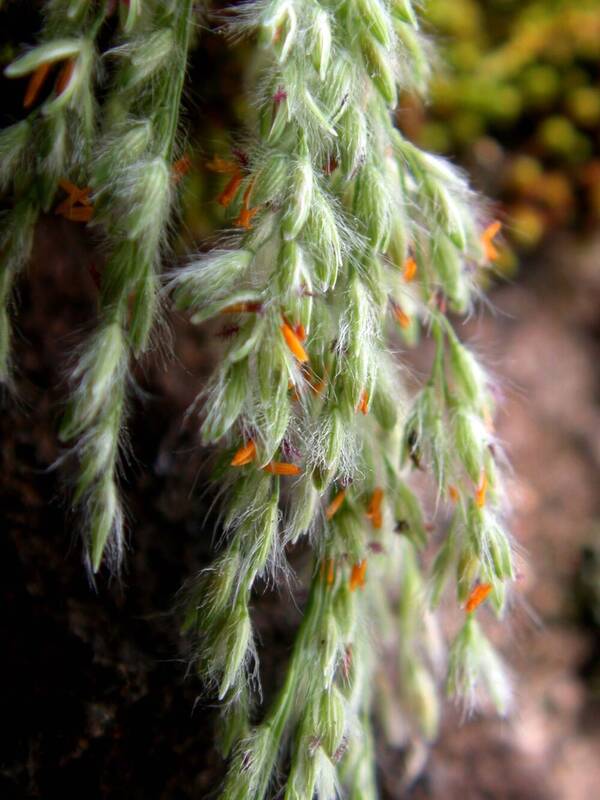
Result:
<point x="345" y="237"/>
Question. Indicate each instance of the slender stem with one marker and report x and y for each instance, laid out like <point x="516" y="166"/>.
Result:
<point x="174" y="88"/>
<point x="283" y="706"/>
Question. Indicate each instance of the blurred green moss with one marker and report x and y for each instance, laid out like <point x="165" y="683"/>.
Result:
<point x="518" y="78"/>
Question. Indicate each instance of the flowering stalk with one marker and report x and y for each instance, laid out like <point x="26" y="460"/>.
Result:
<point x="128" y="165"/>
<point x="56" y="131"/>
<point x="132" y="190"/>
<point x="346" y="231"/>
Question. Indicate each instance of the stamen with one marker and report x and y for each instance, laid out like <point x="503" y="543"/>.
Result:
<point x="244" y="219"/>
<point x="335" y="504"/>
<point x="492" y="230"/>
<point x="401" y="316"/>
<point x="76" y="195"/>
<point x="357" y="576"/>
<point x="282" y="468"/>
<point x="64" y="76"/>
<point x="222" y="165"/>
<point x="481" y="491"/>
<point x="363" y="405"/>
<point x="35" y="84"/>
<point x="242" y="308"/>
<point x="229" y="192"/>
<point x="477" y="596"/>
<point x="77" y="206"/>
<point x="330" y="571"/>
<point x="294" y="343"/>
<point x="453" y="493"/>
<point x="181" y="168"/>
<point x="319" y="387"/>
<point x="244" y="455"/>
<point x="374" y="508"/>
<point x="410" y="269"/>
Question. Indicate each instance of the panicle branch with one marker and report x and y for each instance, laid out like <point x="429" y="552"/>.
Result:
<point x="348" y="235"/>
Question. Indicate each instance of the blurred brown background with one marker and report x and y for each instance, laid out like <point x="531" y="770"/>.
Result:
<point x="96" y="701"/>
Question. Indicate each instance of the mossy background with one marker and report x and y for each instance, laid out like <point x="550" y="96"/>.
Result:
<point x="96" y="694"/>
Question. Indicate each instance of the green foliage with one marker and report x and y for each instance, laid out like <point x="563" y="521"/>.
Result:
<point x="517" y="93"/>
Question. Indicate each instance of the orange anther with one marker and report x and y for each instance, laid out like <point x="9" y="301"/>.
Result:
<point x="477" y="596"/>
<point x="229" y="192"/>
<point x="363" y="405"/>
<point x="222" y="165"/>
<point x="481" y="490"/>
<point x="402" y="318"/>
<point x="244" y="219"/>
<point x="181" y="168"/>
<point x="492" y="230"/>
<point x="241" y="308"/>
<point x="282" y="468"/>
<point x="35" y="84"/>
<point x="357" y="576"/>
<point x="64" y="76"/>
<point x="374" y="508"/>
<point x="244" y="455"/>
<point x="300" y="331"/>
<point x="410" y="269"/>
<point x="294" y="343"/>
<point x="76" y="195"/>
<point x="319" y="386"/>
<point x="335" y="504"/>
<point x="453" y="493"/>
<point x="330" y="577"/>
<point x="69" y="208"/>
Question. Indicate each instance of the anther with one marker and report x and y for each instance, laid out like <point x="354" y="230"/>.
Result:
<point x="282" y="468"/>
<point x="245" y="455"/>
<point x="410" y="269"/>
<point x="374" y="508"/>
<point x="357" y="576"/>
<point x="477" y="596"/>
<point x="400" y="315"/>
<point x="363" y="405"/>
<point x="294" y="343"/>
<point x="64" y="76"/>
<point x="487" y="237"/>
<point x="335" y="504"/>
<point x="481" y="490"/>
<point x="35" y="84"/>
